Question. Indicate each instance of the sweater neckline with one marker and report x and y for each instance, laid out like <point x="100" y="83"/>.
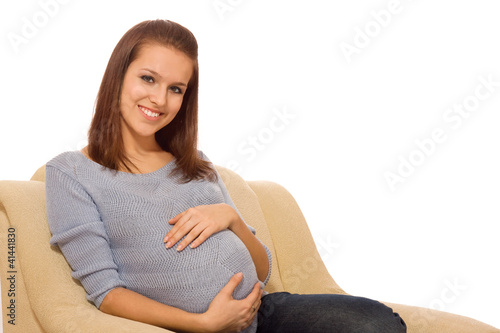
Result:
<point x="168" y="166"/>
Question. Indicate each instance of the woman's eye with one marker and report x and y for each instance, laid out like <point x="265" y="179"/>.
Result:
<point x="148" y="78"/>
<point x="176" y="90"/>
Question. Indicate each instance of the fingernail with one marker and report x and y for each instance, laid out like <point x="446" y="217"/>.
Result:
<point x="168" y="245"/>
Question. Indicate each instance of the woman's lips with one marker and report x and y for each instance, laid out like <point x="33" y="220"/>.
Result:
<point x="149" y="114"/>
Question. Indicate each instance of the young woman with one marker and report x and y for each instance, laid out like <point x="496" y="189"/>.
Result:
<point x="148" y="226"/>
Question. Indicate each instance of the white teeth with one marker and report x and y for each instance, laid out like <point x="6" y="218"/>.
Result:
<point x="149" y="113"/>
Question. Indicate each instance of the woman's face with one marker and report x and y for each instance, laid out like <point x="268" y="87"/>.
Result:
<point x="152" y="91"/>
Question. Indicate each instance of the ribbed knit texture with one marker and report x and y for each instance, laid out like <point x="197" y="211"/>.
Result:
<point x="110" y="227"/>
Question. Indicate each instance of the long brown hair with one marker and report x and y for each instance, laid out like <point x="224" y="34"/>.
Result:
<point x="180" y="136"/>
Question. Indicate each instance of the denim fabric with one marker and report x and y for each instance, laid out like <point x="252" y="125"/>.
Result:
<point x="292" y="313"/>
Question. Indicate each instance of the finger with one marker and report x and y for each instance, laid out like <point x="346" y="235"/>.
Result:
<point x="182" y="227"/>
<point x="251" y="318"/>
<point x="255" y="309"/>
<point x="203" y="236"/>
<point x="234" y="281"/>
<point x="176" y="226"/>
<point x="256" y="306"/>
<point x="172" y="237"/>
<point x="253" y="314"/>
<point x="255" y="295"/>
<point x="193" y="234"/>
<point x="174" y="219"/>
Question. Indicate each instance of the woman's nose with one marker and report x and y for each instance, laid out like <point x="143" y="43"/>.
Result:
<point x="159" y="97"/>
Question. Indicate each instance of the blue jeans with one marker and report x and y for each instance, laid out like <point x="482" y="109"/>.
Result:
<point x="292" y="313"/>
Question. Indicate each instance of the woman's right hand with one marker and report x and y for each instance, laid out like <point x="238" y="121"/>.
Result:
<point x="225" y="314"/>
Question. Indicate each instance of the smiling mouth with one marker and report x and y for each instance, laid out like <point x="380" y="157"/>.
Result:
<point x="149" y="113"/>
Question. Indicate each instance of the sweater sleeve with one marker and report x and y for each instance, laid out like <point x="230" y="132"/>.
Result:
<point x="77" y="229"/>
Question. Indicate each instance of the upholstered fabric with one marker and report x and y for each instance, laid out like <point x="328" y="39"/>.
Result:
<point x="49" y="300"/>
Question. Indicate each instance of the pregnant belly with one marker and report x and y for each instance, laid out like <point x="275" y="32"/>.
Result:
<point x="189" y="279"/>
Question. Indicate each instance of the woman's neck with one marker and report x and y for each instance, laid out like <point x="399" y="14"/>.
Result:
<point x="148" y="162"/>
<point x="144" y="159"/>
<point x="146" y="155"/>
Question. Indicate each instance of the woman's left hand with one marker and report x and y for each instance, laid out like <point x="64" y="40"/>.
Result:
<point x="198" y="223"/>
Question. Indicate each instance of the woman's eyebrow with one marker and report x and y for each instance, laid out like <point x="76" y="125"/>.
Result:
<point x="151" y="71"/>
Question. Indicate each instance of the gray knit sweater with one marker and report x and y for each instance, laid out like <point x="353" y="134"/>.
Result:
<point x="110" y="227"/>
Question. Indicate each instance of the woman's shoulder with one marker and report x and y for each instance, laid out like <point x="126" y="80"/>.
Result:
<point x="202" y="156"/>
<point x="68" y="160"/>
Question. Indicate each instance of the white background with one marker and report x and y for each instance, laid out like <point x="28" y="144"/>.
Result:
<point x="432" y="241"/>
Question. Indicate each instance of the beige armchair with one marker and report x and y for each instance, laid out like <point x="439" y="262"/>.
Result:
<point x="47" y="299"/>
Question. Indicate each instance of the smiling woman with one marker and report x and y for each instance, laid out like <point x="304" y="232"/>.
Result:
<point x="151" y="96"/>
<point x="156" y="190"/>
<point x="154" y="67"/>
<point x="149" y="227"/>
